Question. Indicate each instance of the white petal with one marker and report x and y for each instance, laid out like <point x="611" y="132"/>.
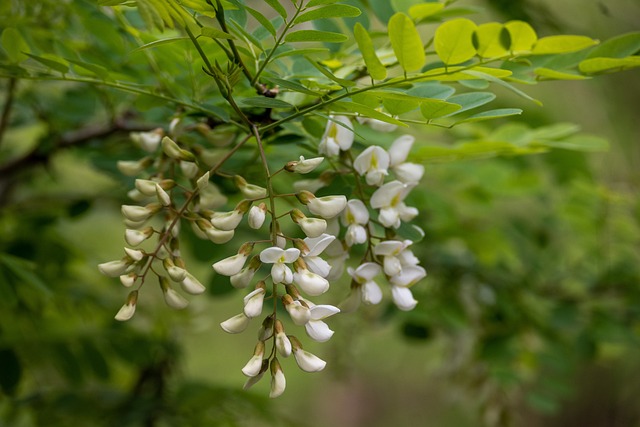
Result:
<point x="126" y="312"/>
<point x="256" y="217"/>
<point x="371" y="293"/>
<point x="391" y="265"/>
<point x="409" y="172"/>
<point x="192" y="285"/>
<point x="308" y="362"/>
<point x="242" y="279"/>
<point x="226" y="221"/>
<point x="318" y="330"/>
<point x="322" y="311"/>
<point x="318" y="244"/>
<point x="356" y="234"/>
<point x="388" y="195"/>
<point x="406" y="213"/>
<point x="291" y="254"/>
<point x="310" y="283"/>
<point x="135" y="213"/>
<point x="231" y="265"/>
<point x="399" y="150"/>
<point x="407" y="258"/>
<point x="235" y="324"/>
<point x="253" y="366"/>
<point x="313" y="227"/>
<point x="317" y="265"/>
<point x="307" y="165"/>
<point x="271" y="255"/>
<point x="113" y="268"/>
<point x="389" y="248"/>
<point x="283" y="344"/>
<point x="403" y="298"/>
<point x="327" y="206"/>
<point x="366" y="271"/>
<point x="389" y="217"/>
<point x="278" y="272"/>
<point x="219" y="237"/>
<point x="253" y="303"/>
<point x="175" y="300"/>
<point x="299" y="313"/>
<point x="278" y="384"/>
<point x="355" y="213"/>
<point x="176" y="273"/>
<point x="135" y="237"/>
<point x="409" y="276"/>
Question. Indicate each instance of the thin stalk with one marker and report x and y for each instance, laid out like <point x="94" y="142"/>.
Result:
<point x="272" y="199"/>
<point x="6" y="109"/>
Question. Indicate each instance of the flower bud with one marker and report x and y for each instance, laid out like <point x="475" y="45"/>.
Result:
<point x="114" y="268"/>
<point x="148" y="141"/>
<point x="191" y="285"/>
<point x="257" y="215"/>
<point x="163" y="196"/>
<point x="134" y="254"/>
<point x="308" y="362"/>
<point x="250" y="191"/>
<point x="299" y="313"/>
<point x="189" y="169"/>
<point x="127" y="311"/>
<point x="235" y="324"/>
<point x="254" y="365"/>
<point x="140" y="213"/>
<point x="278" y="381"/>
<point x="243" y="278"/>
<point x="254" y="300"/>
<point x="311" y="283"/>
<point x="283" y="344"/>
<point x="327" y="206"/>
<point x="403" y="298"/>
<point x="303" y="165"/>
<point x="266" y="329"/>
<point x="171" y="297"/>
<point x="133" y="167"/>
<point x="203" y="181"/>
<point x="173" y="150"/>
<point x="252" y="380"/>
<point x="128" y="280"/>
<point x="135" y="237"/>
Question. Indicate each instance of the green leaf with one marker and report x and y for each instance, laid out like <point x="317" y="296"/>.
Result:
<point x="275" y="5"/>
<point x="579" y="142"/>
<point x="14" y="44"/>
<point x="291" y="85"/>
<point x="424" y="10"/>
<point x="262" y="20"/>
<point x="404" y="5"/>
<point x="314" y="3"/>
<point x="493" y="79"/>
<point x="96" y="69"/>
<point x="457" y="73"/>
<point x="434" y="108"/>
<point x="333" y="11"/>
<point x="53" y="64"/>
<point x="555" y="131"/>
<point x="491" y="114"/>
<point x="431" y="90"/>
<point x="467" y="101"/>
<point x="491" y="42"/>
<point x="608" y="65"/>
<point x="550" y="74"/>
<point x="562" y="44"/>
<point x="264" y="102"/>
<point x="365" y="111"/>
<point x="406" y="42"/>
<point x="523" y="36"/>
<point x="315" y="36"/>
<point x="468" y="151"/>
<point x="150" y="15"/>
<point x="329" y="75"/>
<point x="454" y="41"/>
<point x="377" y="71"/>
<point x="617" y="47"/>
<point x="158" y="43"/>
<point x="214" y="33"/>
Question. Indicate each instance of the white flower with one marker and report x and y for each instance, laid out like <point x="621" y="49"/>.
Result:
<point x="278" y="381"/>
<point x="211" y="197"/>
<point x="174" y="299"/>
<point x="146" y="186"/>
<point x="148" y="141"/>
<point x="114" y="268"/>
<point x="135" y="237"/>
<point x="192" y="285"/>
<point x="243" y="278"/>
<point x="137" y="213"/>
<point x="409" y="276"/>
<point x="313" y="227"/>
<point x="363" y="275"/>
<point x="163" y="196"/>
<point x="127" y="311"/>
<point x="128" y="280"/>
<point x="134" y="254"/>
<point x="219" y="236"/>
<point x="337" y="256"/>
<point x="355" y="216"/>
<point x="231" y="265"/>
<point x="312" y="259"/>
<point x="398" y="153"/>
<point x="327" y="206"/>
<point x="226" y="221"/>
<point x="235" y="324"/>
<point x="203" y="181"/>
<point x="254" y="365"/>
<point x="308" y="362"/>
<point x="303" y="165"/>
<point x="257" y="215"/>
<point x="317" y="329"/>
<point x="280" y="273"/>
<point x="403" y="298"/>
<point x="372" y="162"/>
<point x="336" y="137"/>
<point x="133" y="167"/>
<point x="250" y="191"/>
<point x="176" y="273"/>
<point x="253" y="302"/>
<point x="311" y="283"/>
<point x="299" y="313"/>
<point x="389" y="250"/>
<point x="252" y="380"/>
<point x="283" y="344"/>
<point x="389" y="199"/>
<point x="189" y="169"/>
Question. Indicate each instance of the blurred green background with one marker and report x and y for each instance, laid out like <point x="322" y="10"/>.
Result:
<point x="530" y="315"/>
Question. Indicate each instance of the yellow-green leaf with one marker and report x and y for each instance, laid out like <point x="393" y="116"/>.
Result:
<point x="406" y="42"/>
<point x="376" y="70"/>
<point x="491" y="114"/>
<point x="550" y="74"/>
<point x="14" y="44"/>
<point x="421" y="11"/>
<point x="608" y="65"/>
<point x="54" y="64"/>
<point x="454" y="41"/>
<point x="434" y="108"/>
<point x="562" y="44"/>
<point x="523" y="37"/>
<point x="214" y="33"/>
<point x="491" y="40"/>
<point x="332" y="11"/>
<point x="275" y="5"/>
<point x="366" y="112"/>
<point x="315" y="36"/>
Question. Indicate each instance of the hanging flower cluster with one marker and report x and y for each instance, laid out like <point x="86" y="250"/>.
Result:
<point x="303" y="252"/>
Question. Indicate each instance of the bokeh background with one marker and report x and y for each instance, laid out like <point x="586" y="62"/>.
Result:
<point x="530" y="315"/>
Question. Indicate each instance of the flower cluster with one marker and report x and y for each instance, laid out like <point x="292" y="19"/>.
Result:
<point x="304" y="250"/>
